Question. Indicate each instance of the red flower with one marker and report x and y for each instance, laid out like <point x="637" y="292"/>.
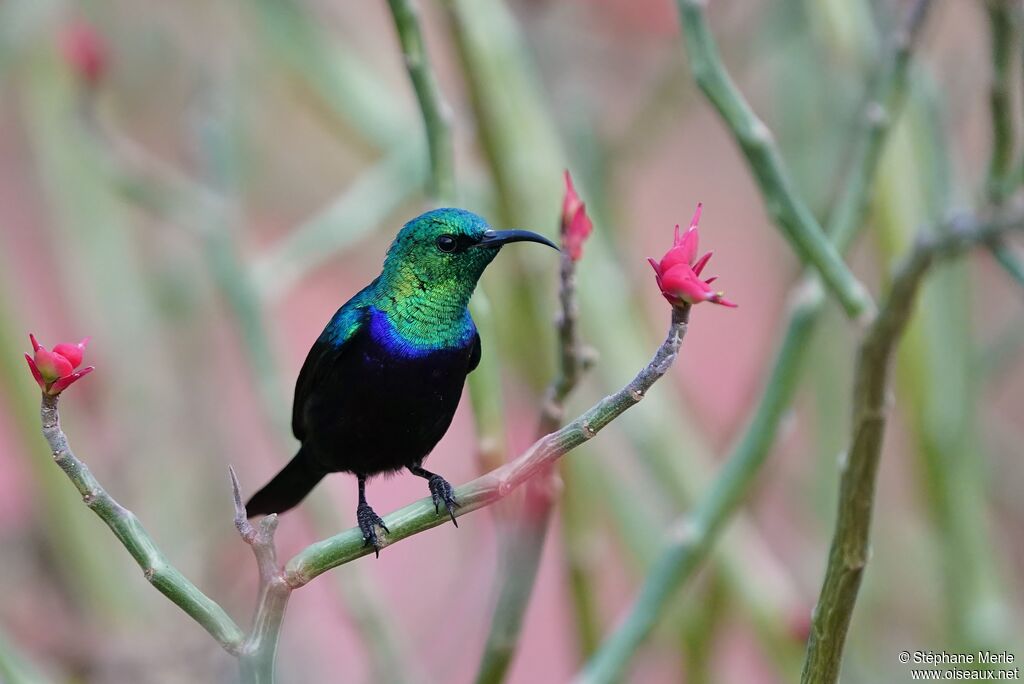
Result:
<point x="677" y="272"/>
<point x="576" y="225"/>
<point x="54" y="370"/>
<point x="84" y="51"/>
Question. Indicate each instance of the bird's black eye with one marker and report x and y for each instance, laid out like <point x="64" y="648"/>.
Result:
<point x="447" y="243"/>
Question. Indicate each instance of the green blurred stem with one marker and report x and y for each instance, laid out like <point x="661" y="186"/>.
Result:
<point x="15" y="668"/>
<point x="485" y="383"/>
<point x="1009" y="260"/>
<point x="358" y="209"/>
<point x="683" y="554"/>
<point x="485" y="390"/>
<point x="1002" y="23"/>
<point x="784" y="204"/>
<point x="436" y="113"/>
<point x="525" y="541"/>
<point x="522" y="546"/>
<point x="341" y="85"/>
<point x="871" y="403"/>
<point x="129" y="531"/>
<point x="884" y="101"/>
<point x="497" y="484"/>
<point x="691" y="541"/>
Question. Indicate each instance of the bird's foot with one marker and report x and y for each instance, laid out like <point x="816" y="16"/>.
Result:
<point x="443" y="493"/>
<point x="369" y="521"/>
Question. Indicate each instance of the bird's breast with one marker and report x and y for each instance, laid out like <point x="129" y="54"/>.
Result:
<point x="408" y="336"/>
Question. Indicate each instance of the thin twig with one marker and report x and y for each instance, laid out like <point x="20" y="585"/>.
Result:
<point x="436" y="113"/>
<point x="256" y="660"/>
<point x="784" y="204"/>
<point x="497" y="484"/>
<point x="682" y="554"/>
<point x="129" y="531"/>
<point x="859" y="465"/>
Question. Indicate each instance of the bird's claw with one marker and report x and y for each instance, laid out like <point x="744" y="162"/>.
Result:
<point x="442" y="492"/>
<point x="369" y="521"/>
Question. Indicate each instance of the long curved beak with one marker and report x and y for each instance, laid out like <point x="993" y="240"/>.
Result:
<point x="497" y="238"/>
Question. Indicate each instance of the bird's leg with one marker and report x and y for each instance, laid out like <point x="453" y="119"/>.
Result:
<point x="368" y="519"/>
<point x="440" y="491"/>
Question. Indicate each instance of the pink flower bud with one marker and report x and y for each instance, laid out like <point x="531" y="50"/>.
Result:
<point x="576" y="225"/>
<point x="72" y="352"/>
<point x="679" y="269"/>
<point x="84" y="51"/>
<point x="54" y="371"/>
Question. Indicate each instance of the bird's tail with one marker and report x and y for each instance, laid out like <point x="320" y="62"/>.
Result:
<point x="287" y="489"/>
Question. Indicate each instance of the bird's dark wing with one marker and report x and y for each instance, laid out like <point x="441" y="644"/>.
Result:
<point x="474" y="353"/>
<point x="326" y="353"/>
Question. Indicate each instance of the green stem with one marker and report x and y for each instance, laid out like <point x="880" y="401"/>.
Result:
<point x="521" y="553"/>
<point x="684" y="554"/>
<point x="485" y="391"/>
<point x="784" y="204"/>
<point x="1002" y="23"/>
<point x="694" y="537"/>
<point x="15" y="668"/>
<point x="130" y="532"/>
<point x="497" y="484"/>
<point x="1009" y="260"/>
<point x="850" y="541"/>
<point x="881" y="109"/>
<point x="334" y="80"/>
<point x="374" y="195"/>
<point x="436" y="113"/>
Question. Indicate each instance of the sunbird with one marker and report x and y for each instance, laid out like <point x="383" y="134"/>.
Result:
<point x="380" y="386"/>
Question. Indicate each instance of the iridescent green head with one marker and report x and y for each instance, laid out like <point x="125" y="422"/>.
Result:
<point x="440" y="255"/>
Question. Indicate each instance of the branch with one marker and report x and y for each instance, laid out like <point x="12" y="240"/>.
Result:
<point x="436" y="113"/>
<point x="850" y="541"/>
<point x="683" y="554"/>
<point x="497" y="484"/>
<point x="788" y="210"/>
<point x="130" y="532"/>
<point x="258" y="653"/>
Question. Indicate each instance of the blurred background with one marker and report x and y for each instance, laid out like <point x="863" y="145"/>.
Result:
<point x="198" y="186"/>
